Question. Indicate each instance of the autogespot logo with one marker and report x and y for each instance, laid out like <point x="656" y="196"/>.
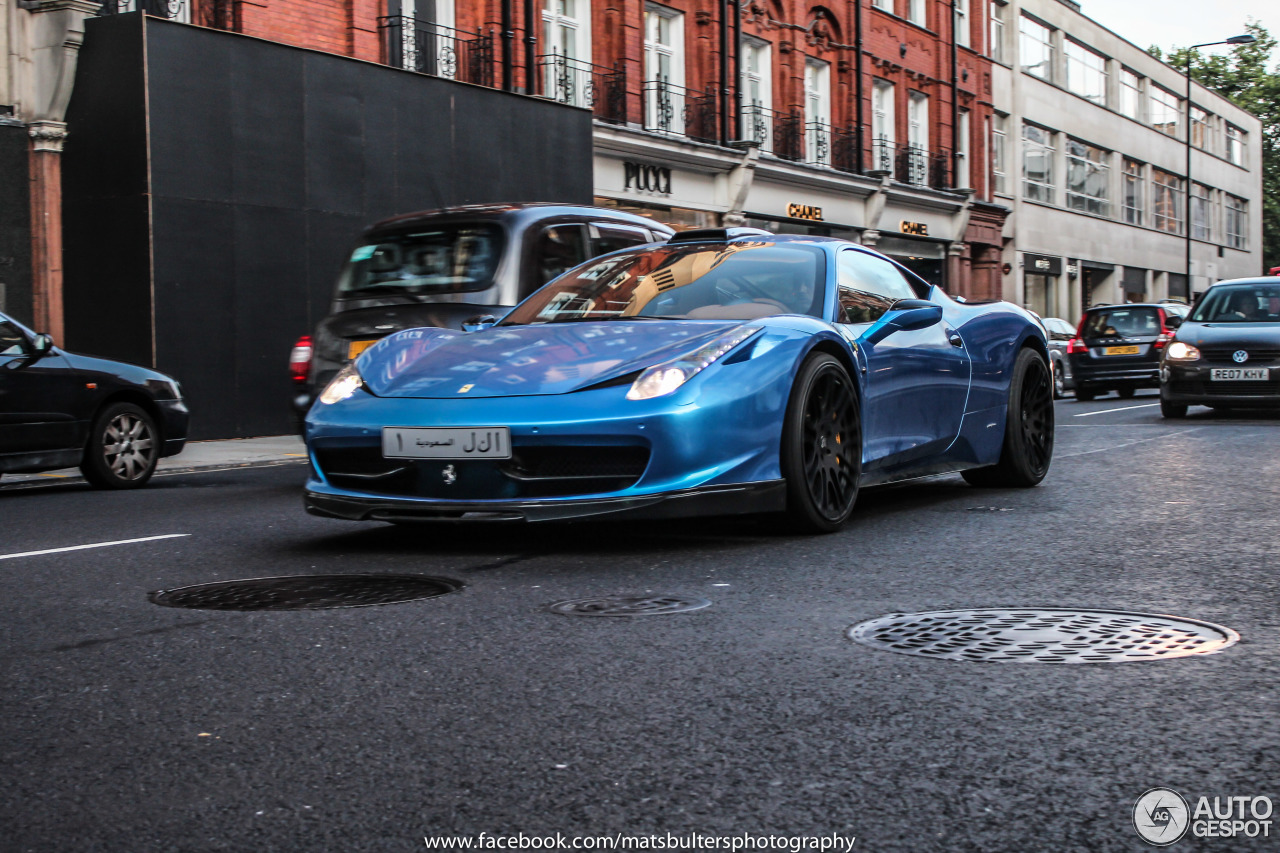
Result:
<point x="1161" y="816"/>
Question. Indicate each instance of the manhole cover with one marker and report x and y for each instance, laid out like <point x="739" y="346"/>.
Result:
<point x="1043" y="635"/>
<point x="305" y="592"/>
<point x="623" y="605"/>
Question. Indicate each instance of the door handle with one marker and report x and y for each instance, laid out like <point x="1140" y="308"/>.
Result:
<point x="954" y="337"/>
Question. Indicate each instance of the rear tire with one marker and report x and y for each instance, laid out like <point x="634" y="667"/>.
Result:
<point x="1028" y="430"/>
<point x="821" y="446"/>
<point x="123" y="448"/>
<point x="1126" y="392"/>
<point x="1059" y="382"/>
<point x="1084" y="394"/>
<point x="1172" y="410"/>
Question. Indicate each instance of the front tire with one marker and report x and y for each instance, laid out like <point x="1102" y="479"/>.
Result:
<point x="1028" y="430"/>
<point x="123" y="448"/>
<point x="821" y="446"/>
<point x="1172" y="410"/>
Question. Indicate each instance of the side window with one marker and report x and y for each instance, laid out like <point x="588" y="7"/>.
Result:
<point x="610" y="237"/>
<point x="556" y="249"/>
<point x="12" y="341"/>
<point x="868" y="287"/>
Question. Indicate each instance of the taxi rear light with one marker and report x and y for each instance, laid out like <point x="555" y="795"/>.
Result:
<point x="300" y="359"/>
<point x="1164" y="338"/>
<point x="1076" y="345"/>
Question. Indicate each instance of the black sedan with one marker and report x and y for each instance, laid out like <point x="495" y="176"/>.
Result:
<point x="61" y="410"/>
<point x="1227" y="353"/>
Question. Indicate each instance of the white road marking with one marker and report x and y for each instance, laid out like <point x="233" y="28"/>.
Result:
<point x="1126" y="444"/>
<point x="94" y="545"/>
<point x="1122" y="409"/>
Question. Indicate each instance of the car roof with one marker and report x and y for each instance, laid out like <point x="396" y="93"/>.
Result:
<point x="516" y="214"/>
<point x="1262" y="279"/>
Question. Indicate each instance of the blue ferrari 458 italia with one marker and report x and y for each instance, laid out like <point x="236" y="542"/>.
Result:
<point x="724" y="371"/>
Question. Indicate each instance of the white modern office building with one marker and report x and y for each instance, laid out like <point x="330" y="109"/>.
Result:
<point x="1089" y="149"/>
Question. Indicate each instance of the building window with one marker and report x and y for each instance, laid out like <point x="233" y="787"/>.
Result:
<point x="882" y="125"/>
<point x="1037" y="163"/>
<point x="1167" y="201"/>
<point x="1088" y="178"/>
<point x="757" y="91"/>
<point x="915" y="12"/>
<point x="1134" y="192"/>
<point x="1165" y="110"/>
<point x="1130" y="94"/>
<point x="1199" y="127"/>
<point x="565" y="28"/>
<point x="1237" y="222"/>
<point x="918" y="138"/>
<point x="1086" y="72"/>
<point x="1201" y="225"/>
<point x="817" y="106"/>
<point x="961" y="22"/>
<point x="663" y="68"/>
<point x="887" y="5"/>
<point x="1036" y="46"/>
<point x="963" y="178"/>
<point x="1235" y="145"/>
<point x="999" y="152"/>
<point x="996" y="37"/>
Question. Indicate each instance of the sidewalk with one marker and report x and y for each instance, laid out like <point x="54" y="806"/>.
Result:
<point x="200" y="456"/>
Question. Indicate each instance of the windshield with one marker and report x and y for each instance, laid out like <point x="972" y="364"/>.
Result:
<point x="737" y="281"/>
<point x="1122" y="323"/>
<point x="1239" y="303"/>
<point x="453" y="258"/>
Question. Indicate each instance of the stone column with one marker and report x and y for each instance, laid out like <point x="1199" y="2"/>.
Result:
<point x="46" y="225"/>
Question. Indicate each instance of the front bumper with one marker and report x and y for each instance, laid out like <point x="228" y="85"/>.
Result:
<point x="1190" y="385"/>
<point x="740" y="498"/>
<point x="175" y="420"/>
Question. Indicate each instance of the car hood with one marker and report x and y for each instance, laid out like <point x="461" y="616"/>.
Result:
<point x="1224" y="334"/>
<point x="516" y="361"/>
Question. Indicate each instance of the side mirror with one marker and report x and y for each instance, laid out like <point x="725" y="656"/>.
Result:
<point x="478" y="322"/>
<point x="42" y="345"/>
<point x="906" y="315"/>
<point x="1173" y="321"/>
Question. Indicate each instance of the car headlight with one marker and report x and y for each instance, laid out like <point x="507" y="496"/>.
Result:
<point x="665" y="378"/>
<point x="346" y="383"/>
<point x="1178" y="351"/>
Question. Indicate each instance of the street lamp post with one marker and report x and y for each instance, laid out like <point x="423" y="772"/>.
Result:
<point x="1186" y="70"/>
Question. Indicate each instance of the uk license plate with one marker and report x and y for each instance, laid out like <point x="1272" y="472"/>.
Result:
<point x="446" y="442"/>
<point x="1240" y="374"/>
<point x="356" y="347"/>
<point x="1121" y="350"/>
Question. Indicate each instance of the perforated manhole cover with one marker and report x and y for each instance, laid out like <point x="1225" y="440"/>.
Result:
<point x="305" y="592"/>
<point x="628" y="605"/>
<point x="1046" y="635"/>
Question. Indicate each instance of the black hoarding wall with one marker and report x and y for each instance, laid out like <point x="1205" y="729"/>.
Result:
<point x="267" y="160"/>
<point x="15" y="223"/>
<point x="106" y="257"/>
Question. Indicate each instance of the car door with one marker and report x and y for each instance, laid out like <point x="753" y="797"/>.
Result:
<point x="554" y="249"/>
<point x="37" y="396"/>
<point x="917" y="380"/>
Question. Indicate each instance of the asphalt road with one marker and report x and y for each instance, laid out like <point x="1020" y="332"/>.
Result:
<point x="127" y="726"/>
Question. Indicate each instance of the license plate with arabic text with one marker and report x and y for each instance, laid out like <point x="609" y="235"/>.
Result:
<point x="446" y="442"/>
<point x="1240" y="374"/>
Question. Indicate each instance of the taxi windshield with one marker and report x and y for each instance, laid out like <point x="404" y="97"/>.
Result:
<point x="444" y="259"/>
<point x="1239" y="303"/>
<point x="734" y="281"/>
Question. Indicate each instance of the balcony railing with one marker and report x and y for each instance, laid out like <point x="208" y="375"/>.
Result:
<point x="440" y="51"/>
<point x="680" y="111"/>
<point x="921" y="168"/>
<point x="571" y="81"/>
<point x="830" y="146"/>
<point x="178" y="10"/>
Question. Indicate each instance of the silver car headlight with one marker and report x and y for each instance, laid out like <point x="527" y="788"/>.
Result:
<point x="665" y="378"/>
<point x="347" y="382"/>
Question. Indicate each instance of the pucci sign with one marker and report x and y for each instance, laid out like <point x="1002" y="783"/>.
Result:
<point x="645" y="178"/>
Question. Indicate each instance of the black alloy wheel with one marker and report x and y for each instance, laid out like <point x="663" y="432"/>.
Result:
<point x="822" y="446"/>
<point x="1028" y="432"/>
<point x="123" y="448"/>
<point x="1172" y="410"/>
<point x="1059" y="382"/>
